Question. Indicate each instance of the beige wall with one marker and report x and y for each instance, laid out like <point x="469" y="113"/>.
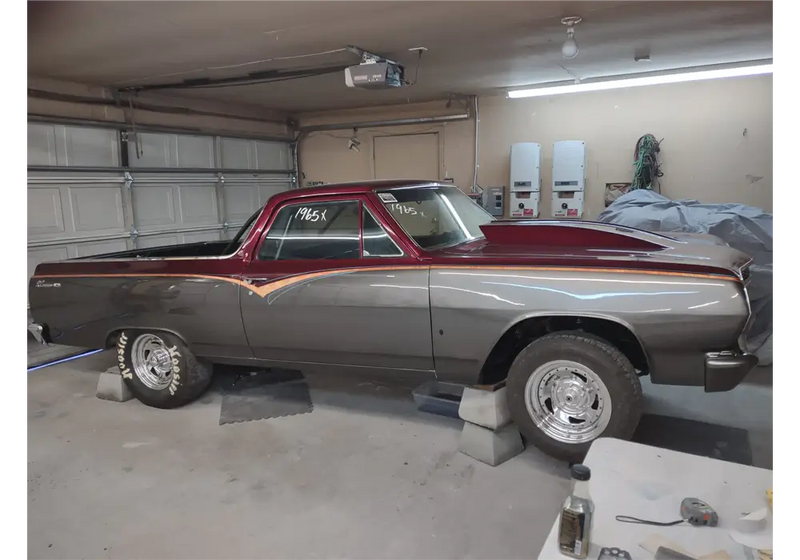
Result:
<point x="325" y="157"/>
<point x="717" y="139"/>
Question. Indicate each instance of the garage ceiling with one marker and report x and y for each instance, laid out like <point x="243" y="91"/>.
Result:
<point x="473" y="47"/>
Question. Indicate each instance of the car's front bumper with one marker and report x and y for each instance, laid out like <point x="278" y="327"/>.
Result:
<point x="725" y="370"/>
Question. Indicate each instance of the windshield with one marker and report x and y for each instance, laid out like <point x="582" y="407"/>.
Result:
<point x="436" y="217"/>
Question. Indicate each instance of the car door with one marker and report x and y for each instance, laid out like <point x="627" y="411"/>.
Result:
<point x="328" y="284"/>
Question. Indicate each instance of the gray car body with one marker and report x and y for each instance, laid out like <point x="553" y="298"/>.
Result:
<point x="441" y="314"/>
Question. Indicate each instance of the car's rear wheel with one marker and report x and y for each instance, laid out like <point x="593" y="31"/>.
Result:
<point x="567" y="389"/>
<point x="159" y="369"/>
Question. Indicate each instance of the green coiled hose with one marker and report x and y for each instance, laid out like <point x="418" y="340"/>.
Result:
<point x="646" y="166"/>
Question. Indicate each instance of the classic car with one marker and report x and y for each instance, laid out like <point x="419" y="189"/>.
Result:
<point x="413" y="276"/>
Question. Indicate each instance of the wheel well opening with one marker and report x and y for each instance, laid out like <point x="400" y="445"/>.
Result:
<point x="495" y="368"/>
<point x="112" y="338"/>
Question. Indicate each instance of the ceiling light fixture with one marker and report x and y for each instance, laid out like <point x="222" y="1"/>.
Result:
<point x="730" y="72"/>
<point x="569" y="49"/>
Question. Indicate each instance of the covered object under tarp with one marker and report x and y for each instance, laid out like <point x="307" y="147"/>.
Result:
<point x="745" y="228"/>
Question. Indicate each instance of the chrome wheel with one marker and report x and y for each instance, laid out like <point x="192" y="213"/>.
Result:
<point x="568" y="401"/>
<point x="152" y="362"/>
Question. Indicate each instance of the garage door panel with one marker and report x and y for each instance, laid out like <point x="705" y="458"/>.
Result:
<point x="198" y="204"/>
<point x="157" y="241"/>
<point x="101" y="247"/>
<point x="162" y="201"/>
<point x="194" y="151"/>
<point x="265" y="192"/>
<point x="41" y="144"/>
<point x="162" y="150"/>
<point x="153" y="150"/>
<point x="153" y="206"/>
<point x="45" y="213"/>
<point x="201" y="236"/>
<point x="88" y="147"/>
<point x="234" y="153"/>
<point x="150" y="241"/>
<point x="272" y="155"/>
<point x="240" y="202"/>
<point x="53" y="144"/>
<point x="97" y="209"/>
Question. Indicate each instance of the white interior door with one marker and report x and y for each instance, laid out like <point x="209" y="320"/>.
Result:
<point x="407" y="156"/>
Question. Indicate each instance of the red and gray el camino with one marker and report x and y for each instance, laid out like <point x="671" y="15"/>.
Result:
<point x="413" y="276"/>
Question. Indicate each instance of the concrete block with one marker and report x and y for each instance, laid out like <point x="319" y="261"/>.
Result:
<point x="485" y="408"/>
<point x="489" y="446"/>
<point x="111" y="387"/>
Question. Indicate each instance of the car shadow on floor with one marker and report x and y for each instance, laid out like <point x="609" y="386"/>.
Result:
<point x="249" y="394"/>
<point x="271" y="393"/>
<point x="696" y="438"/>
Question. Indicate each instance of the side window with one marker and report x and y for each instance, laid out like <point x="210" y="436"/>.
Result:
<point x="316" y="230"/>
<point x="377" y="242"/>
<point x="422" y="217"/>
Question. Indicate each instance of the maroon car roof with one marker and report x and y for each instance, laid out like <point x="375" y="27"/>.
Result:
<point x="356" y="187"/>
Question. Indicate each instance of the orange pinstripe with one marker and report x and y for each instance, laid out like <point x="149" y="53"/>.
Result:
<point x="275" y="285"/>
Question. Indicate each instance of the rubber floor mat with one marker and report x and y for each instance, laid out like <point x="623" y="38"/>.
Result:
<point x="697" y="438"/>
<point x="263" y="394"/>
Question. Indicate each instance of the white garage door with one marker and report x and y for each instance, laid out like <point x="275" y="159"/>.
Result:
<point x="177" y="188"/>
<point x="175" y="201"/>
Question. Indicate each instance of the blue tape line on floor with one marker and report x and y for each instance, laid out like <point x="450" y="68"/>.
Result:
<point x="63" y="360"/>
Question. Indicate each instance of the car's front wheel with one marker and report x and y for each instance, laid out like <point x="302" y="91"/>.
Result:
<point x="159" y="369"/>
<point x="567" y="389"/>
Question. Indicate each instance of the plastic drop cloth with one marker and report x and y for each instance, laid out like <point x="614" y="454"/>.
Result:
<point x="745" y="228"/>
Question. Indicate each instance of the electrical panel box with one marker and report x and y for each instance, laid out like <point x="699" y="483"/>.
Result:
<point x="526" y="182"/>
<point x="493" y="200"/>
<point x="569" y="178"/>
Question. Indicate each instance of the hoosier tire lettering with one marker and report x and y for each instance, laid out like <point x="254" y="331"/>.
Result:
<point x="187" y="376"/>
<point x="121" y="346"/>
<point x="176" y="369"/>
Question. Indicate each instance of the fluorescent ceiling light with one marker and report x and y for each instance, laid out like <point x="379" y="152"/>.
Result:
<point x="644" y="81"/>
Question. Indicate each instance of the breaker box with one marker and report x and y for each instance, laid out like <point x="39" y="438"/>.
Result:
<point x="569" y="178"/>
<point x="526" y="184"/>
<point x="493" y="200"/>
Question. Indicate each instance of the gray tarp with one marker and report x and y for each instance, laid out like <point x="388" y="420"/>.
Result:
<point x="745" y="228"/>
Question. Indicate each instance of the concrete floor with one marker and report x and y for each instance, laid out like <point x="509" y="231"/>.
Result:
<point x="38" y="354"/>
<point x="363" y="476"/>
